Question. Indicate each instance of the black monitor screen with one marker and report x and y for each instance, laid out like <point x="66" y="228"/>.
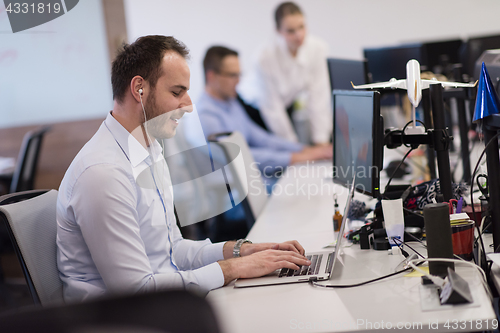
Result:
<point x="390" y="62"/>
<point x="343" y="72"/>
<point x="473" y="49"/>
<point x="439" y="53"/>
<point x="358" y="139"/>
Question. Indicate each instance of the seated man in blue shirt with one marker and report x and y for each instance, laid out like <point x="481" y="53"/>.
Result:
<point x="116" y="228"/>
<point x="220" y="111"/>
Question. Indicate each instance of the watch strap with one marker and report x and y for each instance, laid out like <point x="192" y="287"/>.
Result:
<point x="237" y="247"/>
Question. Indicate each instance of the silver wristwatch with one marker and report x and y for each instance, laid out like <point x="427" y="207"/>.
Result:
<point x="237" y="247"/>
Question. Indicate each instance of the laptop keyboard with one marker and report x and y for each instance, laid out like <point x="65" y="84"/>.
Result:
<point x="312" y="269"/>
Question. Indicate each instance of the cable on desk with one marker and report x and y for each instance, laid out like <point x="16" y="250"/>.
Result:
<point x="483" y="253"/>
<point x="425" y="245"/>
<point x="403" y="252"/>
<point x="405" y="243"/>
<point x="315" y="284"/>
<point x="484" y="279"/>
<point x="416" y="239"/>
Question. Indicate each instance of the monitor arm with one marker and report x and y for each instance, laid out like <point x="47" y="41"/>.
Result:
<point x="437" y="138"/>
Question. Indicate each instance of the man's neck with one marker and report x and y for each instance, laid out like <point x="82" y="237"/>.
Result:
<point x="134" y="127"/>
<point x="215" y="94"/>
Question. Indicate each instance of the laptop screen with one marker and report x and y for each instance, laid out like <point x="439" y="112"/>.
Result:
<point x="344" y="222"/>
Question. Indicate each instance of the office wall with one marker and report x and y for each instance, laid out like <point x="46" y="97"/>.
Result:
<point x="347" y="25"/>
<point x="58" y="71"/>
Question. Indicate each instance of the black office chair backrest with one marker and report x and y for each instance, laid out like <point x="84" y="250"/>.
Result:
<point x="27" y="161"/>
<point x="168" y="311"/>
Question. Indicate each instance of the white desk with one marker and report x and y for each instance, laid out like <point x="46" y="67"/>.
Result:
<point x="305" y="214"/>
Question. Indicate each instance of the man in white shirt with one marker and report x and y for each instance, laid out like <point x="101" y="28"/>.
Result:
<point x="292" y="72"/>
<point x="117" y="231"/>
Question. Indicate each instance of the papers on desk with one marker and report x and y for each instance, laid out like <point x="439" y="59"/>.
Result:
<point x="332" y="244"/>
<point x="7" y="164"/>
<point x="459" y="218"/>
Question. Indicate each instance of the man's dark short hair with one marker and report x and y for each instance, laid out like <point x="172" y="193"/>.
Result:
<point x="285" y="9"/>
<point x="214" y="56"/>
<point x="143" y="57"/>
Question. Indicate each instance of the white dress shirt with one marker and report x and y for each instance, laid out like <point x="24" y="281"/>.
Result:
<point x="117" y="231"/>
<point x="280" y="78"/>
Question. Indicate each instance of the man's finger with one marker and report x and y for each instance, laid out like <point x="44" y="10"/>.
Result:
<point x="297" y="245"/>
<point x="287" y="264"/>
<point x="288" y="247"/>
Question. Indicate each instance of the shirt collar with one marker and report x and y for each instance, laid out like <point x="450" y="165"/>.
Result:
<point x="132" y="148"/>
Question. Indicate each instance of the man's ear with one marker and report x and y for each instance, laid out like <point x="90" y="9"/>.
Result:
<point x="137" y="88"/>
<point x="209" y="75"/>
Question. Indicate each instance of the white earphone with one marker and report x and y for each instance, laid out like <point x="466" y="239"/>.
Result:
<point x="140" y="91"/>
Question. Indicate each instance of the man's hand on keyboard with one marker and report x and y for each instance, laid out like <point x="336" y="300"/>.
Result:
<point x="261" y="263"/>
<point x="293" y="245"/>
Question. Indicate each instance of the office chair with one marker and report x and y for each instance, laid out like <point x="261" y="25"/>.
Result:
<point x="245" y="179"/>
<point x="30" y="220"/>
<point x="171" y="311"/>
<point x="24" y="174"/>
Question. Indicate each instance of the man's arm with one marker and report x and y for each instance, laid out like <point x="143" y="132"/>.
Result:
<point x="319" y="152"/>
<point x="248" y="248"/>
<point x="260" y="263"/>
<point x="260" y="259"/>
<point x="105" y="206"/>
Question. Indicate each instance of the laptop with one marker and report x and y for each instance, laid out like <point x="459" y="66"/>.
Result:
<point x="322" y="263"/>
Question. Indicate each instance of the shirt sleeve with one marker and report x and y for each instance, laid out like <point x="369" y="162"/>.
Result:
<point x="104" y="204"/>
<point x="190" y="254"/>
<point x="320" y="102"/>
<point x="260" y="138"/>
<point x="272" y="107"/>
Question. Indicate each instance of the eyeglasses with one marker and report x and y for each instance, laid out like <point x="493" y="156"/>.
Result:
<point x="230" y="75"/>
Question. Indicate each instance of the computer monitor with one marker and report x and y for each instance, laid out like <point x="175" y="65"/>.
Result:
<point x="491" y="59"/>
<point x="437" y="54"/>
<point x="357" y="139"/>
<point x="474" y="48"/>
<point x="386" y="63"/>
<point x="343" y="72"/>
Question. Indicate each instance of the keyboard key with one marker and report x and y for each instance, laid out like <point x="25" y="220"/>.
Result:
<point x="318" y="264"/>
<point x="303" y="270"/>
<point x="312" y="267"/>
<point x="284" y="272"/>
<point x="329" y="263"/>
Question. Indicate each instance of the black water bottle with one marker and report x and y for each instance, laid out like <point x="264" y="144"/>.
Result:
<point x="438" y="234"/>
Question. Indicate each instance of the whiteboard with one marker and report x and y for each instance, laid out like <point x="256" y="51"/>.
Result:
<point x="55" y="72"/>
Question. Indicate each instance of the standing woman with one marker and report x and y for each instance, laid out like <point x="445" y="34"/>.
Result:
<point x="292" y="72"/>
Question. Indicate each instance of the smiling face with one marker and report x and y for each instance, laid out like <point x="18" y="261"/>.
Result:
<point x="293" y="30"/>
<point x="169" y="100"/>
